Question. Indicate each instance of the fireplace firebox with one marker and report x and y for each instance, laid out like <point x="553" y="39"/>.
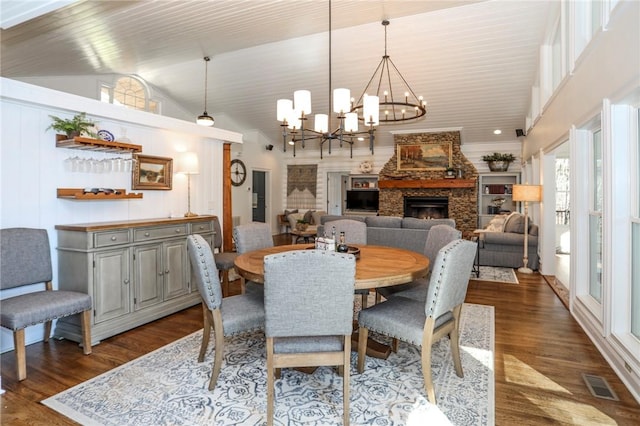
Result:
<point x="426" y="207"/>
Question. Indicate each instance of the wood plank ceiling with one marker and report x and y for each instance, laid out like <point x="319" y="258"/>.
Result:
<point x="473" y="61"/>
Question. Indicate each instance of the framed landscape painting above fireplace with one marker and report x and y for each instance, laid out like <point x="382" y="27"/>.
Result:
<point x="424" y="156"/>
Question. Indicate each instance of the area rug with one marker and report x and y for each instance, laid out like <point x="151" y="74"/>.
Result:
<point x="497" y="274"/>
<point x="559" y="289"/>
<point x="169" y="387"/>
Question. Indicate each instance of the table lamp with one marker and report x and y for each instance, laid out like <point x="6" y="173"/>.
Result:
<point x="526" y="193"/>
<point x="188" y="165"/>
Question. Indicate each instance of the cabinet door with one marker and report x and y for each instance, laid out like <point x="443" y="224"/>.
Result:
<point x="112" y="292"/>
<point x="148" y="275"/>
<point x="176" y="269"/>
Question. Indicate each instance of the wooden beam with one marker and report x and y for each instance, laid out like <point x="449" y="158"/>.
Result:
<point x="227" y="210"/>
<point x="427" y="183"/>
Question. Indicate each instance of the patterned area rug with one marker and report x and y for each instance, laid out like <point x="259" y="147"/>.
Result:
<point x="494" y="273"/>
<point x="169" y="386"/>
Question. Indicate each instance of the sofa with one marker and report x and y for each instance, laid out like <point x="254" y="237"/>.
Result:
<point x="402" y="232"/>
<point x="502" y="242"/>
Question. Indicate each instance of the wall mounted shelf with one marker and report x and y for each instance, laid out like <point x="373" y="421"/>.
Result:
<point x="90" y="144"/>
<point x="79" y="194"/>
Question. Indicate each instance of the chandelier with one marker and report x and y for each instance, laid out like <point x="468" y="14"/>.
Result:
<point x="369" y="109"/>
<point x="292" y="116"/>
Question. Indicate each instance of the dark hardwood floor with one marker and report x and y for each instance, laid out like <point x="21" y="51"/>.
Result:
<point x="540" y="354"/>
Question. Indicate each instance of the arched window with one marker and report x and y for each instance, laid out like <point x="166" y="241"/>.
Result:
<point x="129" y="92"/>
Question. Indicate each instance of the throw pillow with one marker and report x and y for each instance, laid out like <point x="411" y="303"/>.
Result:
<point x="514" y="223"/>
<point x="315" y="217"/>
<point x="288" y="212"/>
<point x="497" y="223"/>
<point x="308" y="218"/>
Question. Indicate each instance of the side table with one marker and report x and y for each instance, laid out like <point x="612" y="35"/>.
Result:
<point x="305" y="235"/>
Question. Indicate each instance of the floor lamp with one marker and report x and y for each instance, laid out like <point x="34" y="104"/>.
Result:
<point x="188" y="165"/>
<point x="526" y="193"/>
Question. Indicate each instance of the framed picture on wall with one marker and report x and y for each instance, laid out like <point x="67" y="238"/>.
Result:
<point x="424" y="156"/>
<point x="151" y="172"/>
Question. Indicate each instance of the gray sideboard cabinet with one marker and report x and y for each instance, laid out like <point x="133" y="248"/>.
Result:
<point x="135" y="271"/>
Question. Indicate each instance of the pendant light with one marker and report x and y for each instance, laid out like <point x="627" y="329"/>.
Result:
<point x="205" y="119"/>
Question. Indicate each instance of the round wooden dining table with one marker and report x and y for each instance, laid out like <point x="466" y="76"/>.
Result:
<point x="377" y="266"/>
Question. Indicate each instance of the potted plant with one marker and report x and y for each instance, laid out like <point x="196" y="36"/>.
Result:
<point x="73" y="127"/>
<point x="498" y="162"/>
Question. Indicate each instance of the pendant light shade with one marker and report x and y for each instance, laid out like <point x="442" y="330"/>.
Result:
<point x="205" y="119"/>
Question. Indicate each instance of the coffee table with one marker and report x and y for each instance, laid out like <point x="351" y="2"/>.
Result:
<point x="305" y="235"/>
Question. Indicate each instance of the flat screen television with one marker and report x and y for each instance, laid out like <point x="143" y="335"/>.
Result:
<point x="363" y="200"/>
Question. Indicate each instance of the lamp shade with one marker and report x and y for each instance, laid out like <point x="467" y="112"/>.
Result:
<point x="341" y="100"/>
<point x="321" y="123"/>
<point x="188" y="164"/>
<point x="527" y="192"/>
<point x="283" y="109"/>
<point x="302" y="101"/>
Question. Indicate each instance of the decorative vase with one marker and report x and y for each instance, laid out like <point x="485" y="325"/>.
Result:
<point x="498" y="166"/>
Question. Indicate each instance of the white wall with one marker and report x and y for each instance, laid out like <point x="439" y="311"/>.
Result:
<point x="31" y="168"/>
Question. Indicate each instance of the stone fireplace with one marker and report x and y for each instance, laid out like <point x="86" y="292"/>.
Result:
<point x="426" y="207"/>
<point x="461" y="193"/>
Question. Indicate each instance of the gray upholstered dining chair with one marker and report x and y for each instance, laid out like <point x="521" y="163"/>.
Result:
<point x="249" y="237"/>
<point x="238" y="314"/>
<point x="422" y="323"/>
<point x="305" y="327"/>
<point x="224" y="260"/>
<point x="25" y="259"/>
<point x="438" y="237"/>
<point x="355" y="232"/>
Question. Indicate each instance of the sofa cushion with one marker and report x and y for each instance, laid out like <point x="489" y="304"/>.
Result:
<point x="415" y="223"/>
<point x="384" y="221"/>
<point x="331" y="217"/>
<point x="316" y="215"/>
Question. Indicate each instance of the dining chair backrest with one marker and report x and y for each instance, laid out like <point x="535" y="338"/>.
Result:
<point x="438" y="237"/>
<point x="205" y="271"/>
<point x="355" y="231"/>
<point x="252" y="236"/>
<point x="450" y="277"/>
<point x="308" y="293"/>
<point x="26" y="257"/>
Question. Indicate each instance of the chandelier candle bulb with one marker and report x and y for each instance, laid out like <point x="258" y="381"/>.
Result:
<point x="351" y="122"/>
<point x="321" y="123"/>
<point x="341" y="98"/>
<point x="302" y="101"/>
<point x="283" y="109"/>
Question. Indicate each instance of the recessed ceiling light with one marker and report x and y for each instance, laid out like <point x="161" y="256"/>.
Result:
<point x="497" y="132"/>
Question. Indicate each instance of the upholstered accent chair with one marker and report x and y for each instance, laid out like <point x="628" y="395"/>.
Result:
<point x="224" y="260"/>
<point x="438" y="237"/>
<point x="355" y="232"/>
<point x="25" y="259"/>
<point x="249" y="237"/>
<point x="238" y="314"/>
<point x="308" y="299"/>
<point x="422" y="323"/>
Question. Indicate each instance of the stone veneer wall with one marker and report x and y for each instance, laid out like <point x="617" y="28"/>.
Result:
<point x="463" y="202"/>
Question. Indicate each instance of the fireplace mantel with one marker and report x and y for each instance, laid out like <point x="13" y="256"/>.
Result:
<point x="427" y="183"/>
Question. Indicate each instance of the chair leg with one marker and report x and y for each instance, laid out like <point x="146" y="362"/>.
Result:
<point x="270" y="382"/>
<point x="454" y="338"/>
<point x="225" y="283"/>
<point x="427" y="341"/>
<point x="363" y="334"/>
<point x="346" y="377"/>
<point x="242" y="285"/>
<point x="365" y="298"/>
<point x="219" y="350"/>
<point x="394" y="345"/>
<point x="85" y="319"/>
<point x="206" y="332"/>
<point x="47" y="330"/>
<point x="378" y="298"/>
<point x="21" y="355"/>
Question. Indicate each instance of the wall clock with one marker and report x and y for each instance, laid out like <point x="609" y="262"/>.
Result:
<point x="238" y="172"/>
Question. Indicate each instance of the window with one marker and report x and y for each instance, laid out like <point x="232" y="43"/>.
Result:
<point x="635" y="239"/>
<point x="129" y="92"/>
<point x="595" y="219"/>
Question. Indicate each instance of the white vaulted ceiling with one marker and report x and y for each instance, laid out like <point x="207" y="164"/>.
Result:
<point x="473" y="61"/>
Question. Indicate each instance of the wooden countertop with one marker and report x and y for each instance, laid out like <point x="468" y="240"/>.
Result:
<point x="100" y="226"/>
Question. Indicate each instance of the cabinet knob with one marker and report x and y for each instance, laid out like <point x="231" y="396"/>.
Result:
<point x="166" y="272"/>
<point x="178" y="230"/>
<point x="160" y="273"/>
<point x="146" y="234"/>
<point x="114" y="238"/>
<point x="201" y="227"/>
<point x="126" y="281"/>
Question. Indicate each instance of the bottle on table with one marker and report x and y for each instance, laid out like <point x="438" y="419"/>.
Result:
<point x="342" y="245"/>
